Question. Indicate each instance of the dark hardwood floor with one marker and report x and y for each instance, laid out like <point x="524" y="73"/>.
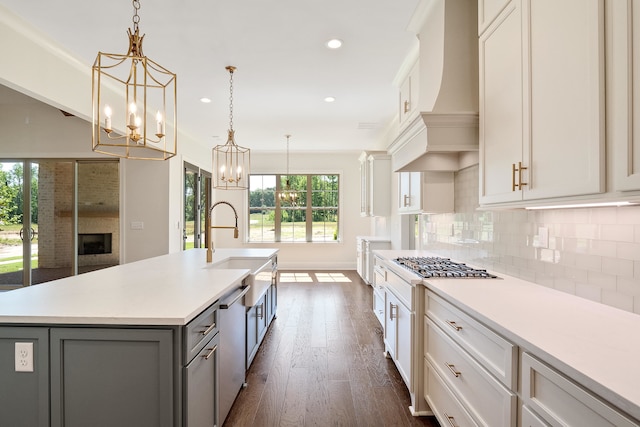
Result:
<point x="322" y="361"/>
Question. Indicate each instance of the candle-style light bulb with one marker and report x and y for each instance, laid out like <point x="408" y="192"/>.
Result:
<point x="222" y="169"/>
<point x="159" y="124"/>
<point x="132" y="114"/>
<point x="107" y="117"/>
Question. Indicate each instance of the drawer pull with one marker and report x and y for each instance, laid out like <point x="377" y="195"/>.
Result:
<point x="451" y="420"/>
<point x="452" y="369"/>
<point x="211" y="351"/>
<point x="209" y="329"/>
<point x="454" y="325"/>
<point x="391" y="308"/>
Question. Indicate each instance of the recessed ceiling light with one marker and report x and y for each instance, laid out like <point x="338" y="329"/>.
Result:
<point x="205" y="100"/>
<point x="329" y="99"/>
<point x="334" y="44"/>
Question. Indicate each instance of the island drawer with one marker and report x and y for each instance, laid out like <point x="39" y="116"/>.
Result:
<point x="560" y="401"/>
<point x="495" y="353"/>
<point x="199" y="331"/>
<point x="489" y="401"/>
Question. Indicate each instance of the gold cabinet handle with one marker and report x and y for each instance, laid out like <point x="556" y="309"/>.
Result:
<point x="211" y="351"/>
<point x="452" y="369"/>
<point x="454" y="325"/>
<point x="520" y="169"/>
<point x="451" y="420"/>
<point x="407" y="200"/>
<point x="209" y="329"/>
<point x="517" y="185"/>
<point x="406" y="106"/>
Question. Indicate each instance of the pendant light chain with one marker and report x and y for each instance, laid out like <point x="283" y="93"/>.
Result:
<point x="231" y="70"/>
<point x="136" y="17"/>
<point x="287" y="157"/>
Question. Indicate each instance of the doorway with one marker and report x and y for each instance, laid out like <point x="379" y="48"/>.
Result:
<point x="197" y="201"/>
<point x="44" y="206"/>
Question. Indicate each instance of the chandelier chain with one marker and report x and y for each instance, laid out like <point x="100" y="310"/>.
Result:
<point x="230" y="98"/>
<point x="287" y="156"/>
<point x="136" y="17"/>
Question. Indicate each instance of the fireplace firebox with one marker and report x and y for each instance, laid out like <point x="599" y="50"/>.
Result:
<point x="94" y="244"/>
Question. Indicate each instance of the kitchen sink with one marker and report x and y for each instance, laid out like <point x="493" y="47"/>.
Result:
<point x="260" y="275"/>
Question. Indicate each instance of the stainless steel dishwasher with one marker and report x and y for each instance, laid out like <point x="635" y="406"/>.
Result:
<point x="232" y="321"/>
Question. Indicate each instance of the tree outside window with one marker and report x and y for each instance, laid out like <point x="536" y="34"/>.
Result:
<point x="311" y="217"/>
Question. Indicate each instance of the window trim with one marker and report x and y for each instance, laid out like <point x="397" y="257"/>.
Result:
<point x="308" y="207"/>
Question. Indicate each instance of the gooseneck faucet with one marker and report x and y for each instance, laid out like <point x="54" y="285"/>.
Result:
<point x="210" y="249"/>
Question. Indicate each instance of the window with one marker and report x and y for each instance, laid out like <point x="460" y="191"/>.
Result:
<point x="312" y="217"/>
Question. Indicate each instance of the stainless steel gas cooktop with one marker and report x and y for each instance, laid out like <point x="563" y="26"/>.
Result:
<point x="436" y="267"/>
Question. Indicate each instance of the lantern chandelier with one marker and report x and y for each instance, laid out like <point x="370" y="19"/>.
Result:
<point x="231" y="162"/>
<point x="287" y="195"/>
<point x="134" y="103"/>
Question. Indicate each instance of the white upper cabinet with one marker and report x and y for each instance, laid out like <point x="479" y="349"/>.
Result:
<point x="623" y="92"/>
<point x="375" y="184"/>
<point x="488" y="10"/>
<point x="542" y="102"/>
<point x="408" y="100"/>
<point x="425" y="192"/>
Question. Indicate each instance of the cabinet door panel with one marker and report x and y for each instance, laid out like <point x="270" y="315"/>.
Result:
<point x="405" y="349"/>
<point x="623" y="79"/>
<point x="501" y="105"/>
<point x="566" y="69"/>
<point x="105" y="377"/>
<point x="25" y="393"/>
<point x="201" y="386"/>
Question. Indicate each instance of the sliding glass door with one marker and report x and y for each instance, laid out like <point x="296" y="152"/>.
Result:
<point x="57" y="218"/>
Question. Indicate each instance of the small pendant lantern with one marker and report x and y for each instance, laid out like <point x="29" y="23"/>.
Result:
<point x="231" y="162"/>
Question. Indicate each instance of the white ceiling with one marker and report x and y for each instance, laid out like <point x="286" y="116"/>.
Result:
<point x="284" y="70"/>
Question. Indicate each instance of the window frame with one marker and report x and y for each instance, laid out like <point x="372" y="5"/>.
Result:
<point x="308" y="208"/>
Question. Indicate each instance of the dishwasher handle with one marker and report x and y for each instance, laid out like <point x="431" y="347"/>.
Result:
<point x="239" y="293"/>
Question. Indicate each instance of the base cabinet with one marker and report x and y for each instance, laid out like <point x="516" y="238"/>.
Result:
<point x="259" y="317"/>
<point x="201" y="388"/>
<point x="112" y="377"/>
<point x="559" y="401"/>
<point x="26" y="393"/>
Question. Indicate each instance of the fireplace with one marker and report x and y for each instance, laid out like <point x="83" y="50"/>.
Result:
<point x="94" y="244"/>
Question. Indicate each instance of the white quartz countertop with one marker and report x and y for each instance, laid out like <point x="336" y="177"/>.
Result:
<point x="596" y="345"/>
<point x="166" y="290"/>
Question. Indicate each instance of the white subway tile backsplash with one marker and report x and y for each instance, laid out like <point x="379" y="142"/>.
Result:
<point x="629" y="251"/>
<point x="593" y="253"/>
<point x="617" y="232"/>
<point x="628" y="215"/>
<point x="628" y="286"/>
<point x="619" y="267"/>
<point x="616" y="299"/>
<point x="592" y="292"/>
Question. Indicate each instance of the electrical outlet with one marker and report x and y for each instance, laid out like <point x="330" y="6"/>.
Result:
<point x="24" y="357"/>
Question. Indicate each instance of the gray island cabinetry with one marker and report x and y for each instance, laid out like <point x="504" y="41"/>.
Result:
<point x="133" y="345"/>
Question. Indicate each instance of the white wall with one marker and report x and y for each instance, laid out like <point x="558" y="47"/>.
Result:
<point x="333" y="255"/>
<point x="151" y="192"/>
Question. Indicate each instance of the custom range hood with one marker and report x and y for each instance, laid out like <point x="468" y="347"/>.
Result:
<point x="443" y="134"/>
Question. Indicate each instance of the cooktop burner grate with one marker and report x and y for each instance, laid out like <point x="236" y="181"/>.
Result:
<point x="436" y="267"/>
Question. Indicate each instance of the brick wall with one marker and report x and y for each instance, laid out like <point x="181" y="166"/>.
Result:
<point x="98" y="211"/>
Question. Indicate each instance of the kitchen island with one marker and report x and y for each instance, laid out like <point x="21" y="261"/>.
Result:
<point x="117" y="346"/>
<point x="530" y="354"/>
